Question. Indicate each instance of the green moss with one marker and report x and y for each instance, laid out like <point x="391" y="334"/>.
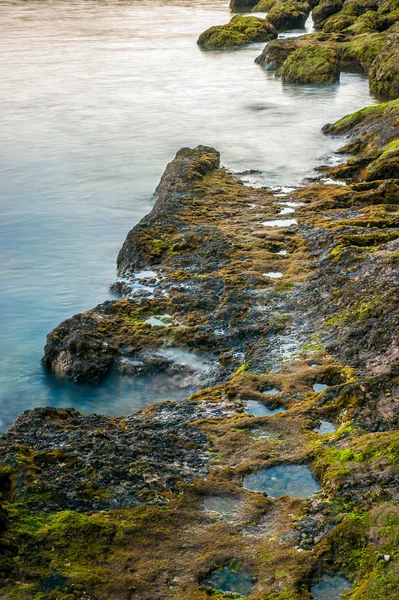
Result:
<point x="361" y="51"/>
<point x="264" y="5"/>
<point x="310" y="64"/>
<point x="288" y="14"/>
<point x="384" y="72"/>
<point x="386" y="165"/>
<point x="240" y="31"/>
<point x="338" y="22"/>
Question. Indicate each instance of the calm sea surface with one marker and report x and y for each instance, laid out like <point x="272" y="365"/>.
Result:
<point x="95" y="98"/>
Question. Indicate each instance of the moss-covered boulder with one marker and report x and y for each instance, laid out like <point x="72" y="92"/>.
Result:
<point x="240" y="31"/>
<point x="311" y="64"/>
<point x="368" y="22"/>
<point x="386" y="166"/>
<point x="338" y="22"/>
<point x="288" y="14"/>
<point x="359" y="7"/>
<point x="276" y="52"/>
<point x="388" y="11"/>
<point x="384" y="72"/>
<point x="325" y="9"/>
<point x="264" y="5"/>
<point x="361" y="51"/>
<point x="242" y="3"/>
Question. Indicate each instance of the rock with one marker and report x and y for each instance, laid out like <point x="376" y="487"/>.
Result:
<point x="384" y="72"/>
<point x="240" y="31"/>
<point x="92" y="462"/>
<point x="276" y="52"/>
<point x="242" y="3"/>
<point x="264" y="5"/>
<point x="360" y="52"/>
<point x="288" y="14"/>
<point x="338" y="22"/>
<point x="310" y="64"/>
<point x="325" y="9"/>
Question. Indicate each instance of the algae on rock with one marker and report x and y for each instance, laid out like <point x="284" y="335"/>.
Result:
<point x="240" y="31"/>
<point x="310" y="64"/>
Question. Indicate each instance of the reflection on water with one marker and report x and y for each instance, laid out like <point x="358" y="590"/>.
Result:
<point x="96" y="98"/>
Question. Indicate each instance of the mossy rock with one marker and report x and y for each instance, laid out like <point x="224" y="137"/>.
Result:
<point x="386" y="166"/>
<point x="338" y="22"/>
<point x="240" y="31"/>
<point x="311" y="64"/>
<point x="368" y="22"/>
<point x="359" y="7"/>
<point x="242" y="3"/>
<point x="289" y="14"/>
<point x="276" y="52"/>
<point x="384" y="72"/>
<point x="360" y="52"/>
<point x="264" y="5"/>
<point x="325" y="9"/>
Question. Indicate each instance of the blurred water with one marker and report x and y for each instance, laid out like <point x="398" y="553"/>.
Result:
<point x="96" y="97"/>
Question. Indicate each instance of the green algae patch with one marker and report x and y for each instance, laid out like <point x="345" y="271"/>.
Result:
<point x="310" y="64"/>
<point x="240" y="31"/>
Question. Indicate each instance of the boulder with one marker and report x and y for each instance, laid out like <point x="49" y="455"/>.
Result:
<point x="289" y="14"/>
<point x="325" y="9"/>
<point x="276" y="52"/>
<point x="240" y="31"/>
<point x="310" y="64"/>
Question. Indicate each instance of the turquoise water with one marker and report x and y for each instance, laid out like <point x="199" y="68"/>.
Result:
<point x="96" y="97"/>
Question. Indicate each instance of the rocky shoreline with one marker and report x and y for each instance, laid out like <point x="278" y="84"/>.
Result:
<point x="291" y="297"/>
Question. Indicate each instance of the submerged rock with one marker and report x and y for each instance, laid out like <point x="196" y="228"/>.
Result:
<point x="240" y="31"/>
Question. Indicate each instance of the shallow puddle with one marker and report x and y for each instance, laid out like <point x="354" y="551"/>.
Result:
<point x="161" y="321"/>
<point x="282" y="252"/>
<point x="225" y="507"/>
<point x="228" y="579"/>
<point x="296" y="481"/>
<point x="273" y="274"/>
<point x="319" y="387"/>
<point x="186" y="358"/>
<point x="280" y="223"/>
<point x="271" y="391"/>
<point x="260" y="434"/>
<point x="257" y="409"/>
<point x="286" y="210"/>
<point x="330" y="588"/>
<point x="325" y="427"/>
